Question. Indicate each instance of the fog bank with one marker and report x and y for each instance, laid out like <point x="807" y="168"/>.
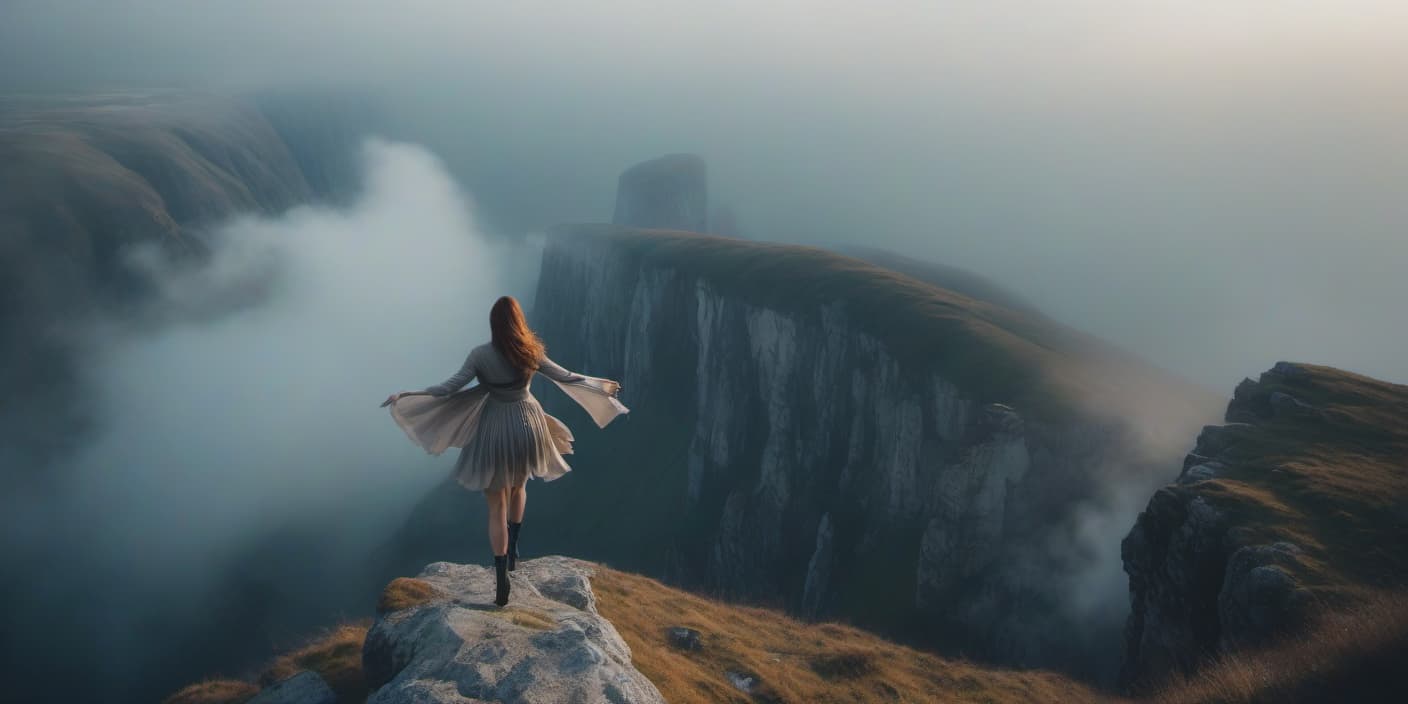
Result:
<point x="241" y="469"/>
<point x="1215" y="186"/>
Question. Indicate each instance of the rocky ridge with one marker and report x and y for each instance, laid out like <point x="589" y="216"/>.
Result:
<point x="1293" y="506"/>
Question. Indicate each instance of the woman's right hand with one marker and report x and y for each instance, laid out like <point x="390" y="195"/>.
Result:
<point x="393" y="398"/>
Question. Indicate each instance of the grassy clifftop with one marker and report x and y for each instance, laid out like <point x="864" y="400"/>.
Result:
<point x="944" y="276"/>
<point x="991" y="351"/>
<point x="775" y="657"/>
<point x="1350" y="655"/>
<point x="1320" y="459"/>
<point x="95" y="171"/>
<point x="1276" y="567"/>
<point x="792" y="661"/>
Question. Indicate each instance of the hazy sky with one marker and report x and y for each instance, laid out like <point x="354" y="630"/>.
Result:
<point x="1214" y="184"/>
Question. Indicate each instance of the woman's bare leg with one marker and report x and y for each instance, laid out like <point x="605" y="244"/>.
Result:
<point x="517" y="502"/>
<point x="497" y="500"/>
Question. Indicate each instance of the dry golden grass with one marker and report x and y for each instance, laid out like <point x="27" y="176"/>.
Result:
<point x="336" y="656"/>
<point x="795" y="661"/>
<point x="406" y="592"/>
<point x="1353" y="655"/>
<point x="214" y="692"/>
<point x="1350" y="656"/>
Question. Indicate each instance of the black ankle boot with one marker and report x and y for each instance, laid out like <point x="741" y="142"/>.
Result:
<point x="513" y="529"/>
<point x="501" y="572"/>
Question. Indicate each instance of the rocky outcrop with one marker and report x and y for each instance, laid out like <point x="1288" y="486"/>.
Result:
<point x="668" y="193"/>
<point x="803" y="455"/>
<point x="303" y="688"/>
<point x="1206" y="572"/>
<point x="1176" y="558"/>
<point x="441" y="639"/>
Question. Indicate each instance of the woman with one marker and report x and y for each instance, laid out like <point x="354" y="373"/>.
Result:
<point x="505" y="435"/>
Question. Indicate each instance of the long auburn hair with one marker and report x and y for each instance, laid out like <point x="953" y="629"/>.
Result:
<point x="513" y="338"/>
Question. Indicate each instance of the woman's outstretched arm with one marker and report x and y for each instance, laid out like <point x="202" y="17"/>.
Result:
<point x="466" y="373"/>
<point x="556" y="372"/>
<point x="596" y="396"/>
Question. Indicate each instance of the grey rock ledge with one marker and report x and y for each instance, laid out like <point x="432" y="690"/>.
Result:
<point x="548" y="645"/>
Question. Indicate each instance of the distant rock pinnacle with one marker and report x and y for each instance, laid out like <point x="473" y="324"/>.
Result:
<point x="668" y="193"/>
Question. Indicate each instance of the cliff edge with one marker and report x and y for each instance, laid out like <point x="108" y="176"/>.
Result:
<point x="1295" y="508"/>
<point x="846" y="441"/>
<point x="576" y="631"/>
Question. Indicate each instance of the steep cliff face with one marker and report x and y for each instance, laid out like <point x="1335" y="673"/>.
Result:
<point x="814" y="430"/>
<point x="1295" y="505"/>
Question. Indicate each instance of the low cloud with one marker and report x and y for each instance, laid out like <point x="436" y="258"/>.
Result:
<point x="242" y="405"/>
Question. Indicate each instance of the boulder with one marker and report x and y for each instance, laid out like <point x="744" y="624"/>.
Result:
<point x="1201" y="472"/>
<point x="1260" y="599"/>
<point x="686" y="638"/>
<point x="548" y="645"/>
<point x="1216" y="439"/>
<point x="1289" y="370"/>
<point x="1248" y="404"/>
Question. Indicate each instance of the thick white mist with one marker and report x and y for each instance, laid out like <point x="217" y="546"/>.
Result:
<point x="213" y="427"/>
<point x="247" y="399"/>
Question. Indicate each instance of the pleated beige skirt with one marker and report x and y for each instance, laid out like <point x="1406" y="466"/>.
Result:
<point x="503" y="441"/>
